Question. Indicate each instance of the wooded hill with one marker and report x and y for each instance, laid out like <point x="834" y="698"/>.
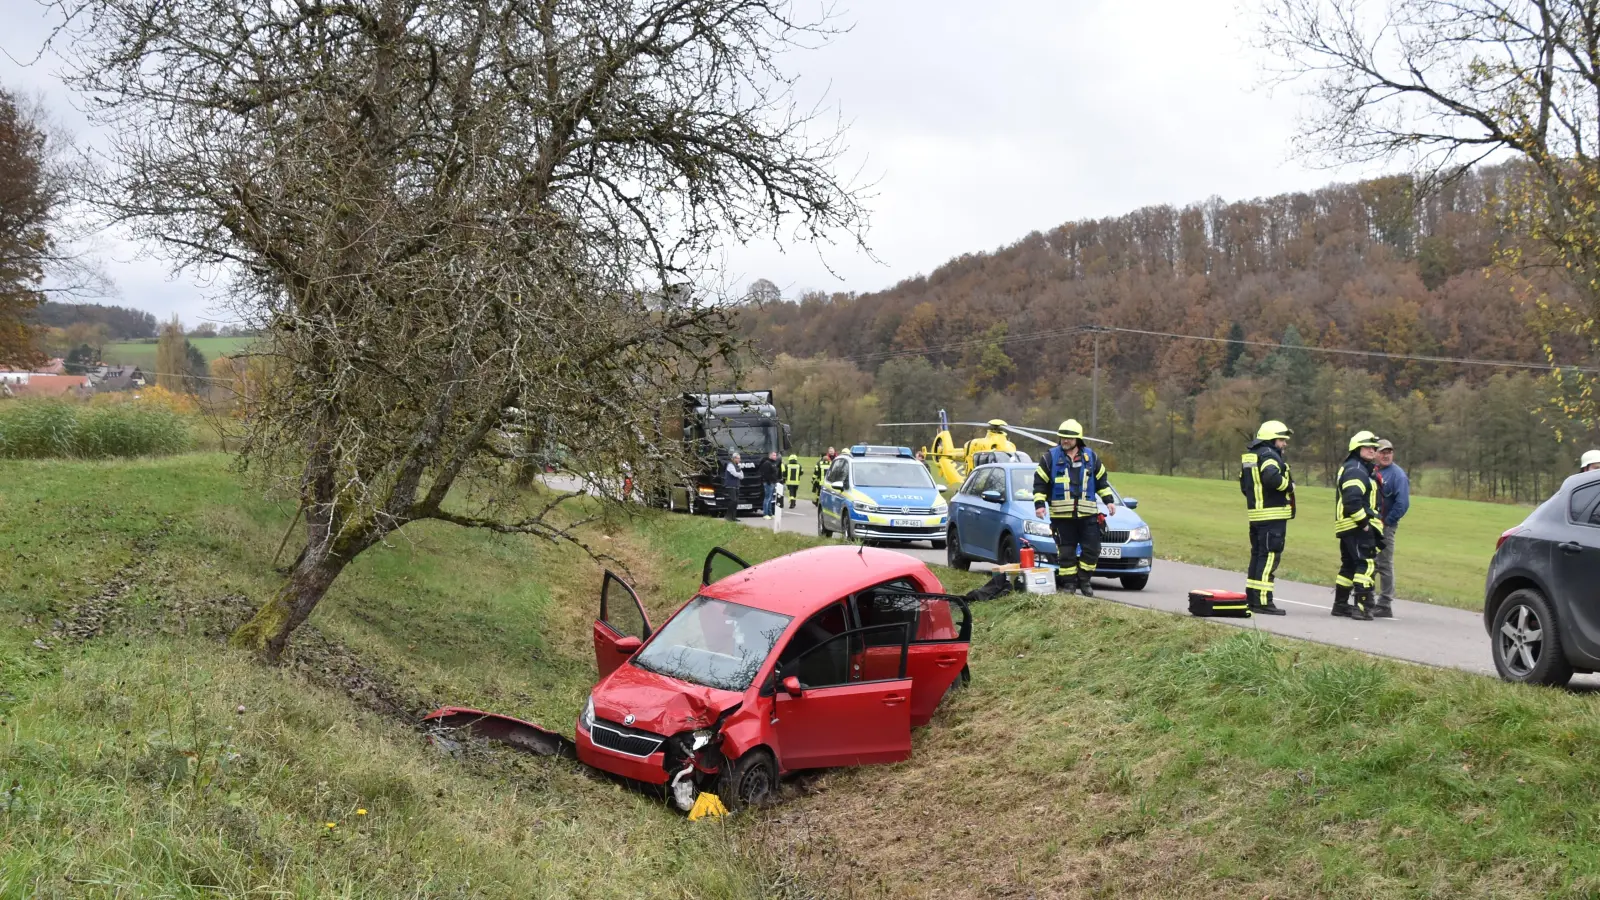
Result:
<point x="1367" y="266"/>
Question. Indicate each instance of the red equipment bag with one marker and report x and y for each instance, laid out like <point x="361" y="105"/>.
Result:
<point x="1228" y="604"/>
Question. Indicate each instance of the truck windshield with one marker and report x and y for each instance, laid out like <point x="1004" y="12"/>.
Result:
<point x="888" y="474"/>
<point x="754" y="438"/>
<point x="714" y="643"/>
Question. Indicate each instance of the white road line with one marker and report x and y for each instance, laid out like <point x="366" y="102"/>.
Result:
<point x="1300" y="603"/>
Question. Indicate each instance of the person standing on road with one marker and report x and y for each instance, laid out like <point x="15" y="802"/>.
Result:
<point x="1590" y="461"/>
<point x="791" y="478"/>
<point x="770" y="471"/>
<point x="1067" y="481"/>
<point x="1358" y="527"/>
<point x="821" y="471"/>
<point x="1268" y="488"/>
<point x="732" y="477"/>
<point x="1394" y="500"/>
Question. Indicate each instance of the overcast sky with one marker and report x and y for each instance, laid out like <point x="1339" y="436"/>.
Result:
<point x="978" y="123"/>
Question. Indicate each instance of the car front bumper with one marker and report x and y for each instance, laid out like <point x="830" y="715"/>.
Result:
<point x="882" y="526"/>
<point x="1134" y="557"/>
<point x="648" y="769"/>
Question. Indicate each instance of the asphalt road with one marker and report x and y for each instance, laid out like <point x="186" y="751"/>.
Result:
<point x="1419" y="632"/>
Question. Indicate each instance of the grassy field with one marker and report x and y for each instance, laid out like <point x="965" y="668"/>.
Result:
<point x="143" y="353"/>
<point x="1100" y="750"/>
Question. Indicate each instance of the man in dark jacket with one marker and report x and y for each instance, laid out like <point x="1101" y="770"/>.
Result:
<point x="1269" y="505"/>
<point x="770" y="471"/>
<point x="1394" y="495"/>
<point x="1358" y="527"/>
<point x="732" y="477"/>
<point x="1069" y="479"/>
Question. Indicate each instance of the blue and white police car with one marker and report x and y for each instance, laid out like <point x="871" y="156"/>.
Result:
<point x="882" y="494"/>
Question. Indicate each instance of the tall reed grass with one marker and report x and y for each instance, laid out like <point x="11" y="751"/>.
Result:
<point x="44" y="429"/>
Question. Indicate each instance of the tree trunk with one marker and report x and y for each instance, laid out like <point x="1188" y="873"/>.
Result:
<point x="267" y="633"/>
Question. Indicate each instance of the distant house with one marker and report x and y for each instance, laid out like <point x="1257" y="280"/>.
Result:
<point x="31" y="385"/>
<point x="116" y="378"/>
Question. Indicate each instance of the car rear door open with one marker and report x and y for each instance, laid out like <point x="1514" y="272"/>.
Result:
<point x="940" y="626"/>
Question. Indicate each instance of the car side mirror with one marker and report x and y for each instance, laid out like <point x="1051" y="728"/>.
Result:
<point x="992" y="496"/>
<point x="941" y="488"/>
<point x="1130" y="503"/>
<point x="628" y="645"/>
<point x="791" y="686"/>
<point x="836" y="485"/>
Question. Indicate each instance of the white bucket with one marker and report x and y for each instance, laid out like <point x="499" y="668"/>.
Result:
<point x="1040" y="581"/>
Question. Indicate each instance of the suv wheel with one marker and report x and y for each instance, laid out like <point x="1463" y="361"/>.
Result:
<point x="1527" y="641"/>
<point x="952" y="553"/>
<point x="750" y="780"/>
<point x="822" y="528"/>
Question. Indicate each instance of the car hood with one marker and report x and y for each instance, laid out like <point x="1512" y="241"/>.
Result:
<point x="890" y="497"/>
<point x="658" y="703"/>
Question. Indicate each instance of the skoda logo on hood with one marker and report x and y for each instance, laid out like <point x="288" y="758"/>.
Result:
<point x="627" y="719"/>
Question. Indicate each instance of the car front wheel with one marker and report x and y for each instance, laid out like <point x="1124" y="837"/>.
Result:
<point x="750" y="780"/>
<point x="1527" y="641"/>
<point x="1135" y="582"/>
<point x="953" y="556"/>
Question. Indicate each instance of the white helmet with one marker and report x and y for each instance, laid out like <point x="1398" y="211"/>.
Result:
<point x="1588" y="459"/>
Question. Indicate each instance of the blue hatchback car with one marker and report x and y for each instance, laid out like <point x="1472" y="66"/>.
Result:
<point x="992" y="515"/>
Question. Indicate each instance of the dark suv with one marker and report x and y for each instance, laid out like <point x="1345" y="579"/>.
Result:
<point x="1542" y="598"/>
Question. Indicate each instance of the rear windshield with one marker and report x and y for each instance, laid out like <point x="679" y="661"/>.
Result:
<point x="888" y="474"/>
<point x="714" y="643"/>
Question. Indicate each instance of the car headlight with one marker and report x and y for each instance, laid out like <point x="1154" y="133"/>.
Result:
<point x="587" y="719"/>
<point x="1035" y="526"/>
<point x="1142" y="533"/>
<point x="864" y="507"/>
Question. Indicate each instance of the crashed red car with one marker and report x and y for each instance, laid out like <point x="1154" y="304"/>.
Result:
<point x="826" y="657"/>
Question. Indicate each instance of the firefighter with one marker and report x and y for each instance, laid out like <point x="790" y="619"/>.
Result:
<point x="1067" y="481"/>
<point x="1268" y="488"/>
<point x="791" y="478"/>
<point x="821" y="471"/>
<point x="1358" y="527"/>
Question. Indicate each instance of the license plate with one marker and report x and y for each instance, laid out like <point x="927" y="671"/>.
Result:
<point x="1110" y="552"/>
<point x="906" y="523"/>
<point x="746" y="506"/>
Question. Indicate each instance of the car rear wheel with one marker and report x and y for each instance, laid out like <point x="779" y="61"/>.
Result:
<point x="822" y="527"/>
<point x="750" y="780"/>
<point x="953" y="556"/>
<point x="1527" y="641"/>
<point x="1135" y="582"/>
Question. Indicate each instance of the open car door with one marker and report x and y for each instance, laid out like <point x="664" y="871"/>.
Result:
<point x="622" y="626"/>
<point x="839" y="718"/>
<point x="941" y="634"/>
<point x="719" y="565"/>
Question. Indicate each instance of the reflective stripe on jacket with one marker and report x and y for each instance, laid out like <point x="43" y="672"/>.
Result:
<point x="1355" y="499"/>
<point x="1069" y="486"/>
<point x="1265" y="481"/>
<point x="791" y="470"/>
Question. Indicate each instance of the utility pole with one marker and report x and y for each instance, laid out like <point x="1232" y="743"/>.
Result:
<point x="1094" y="390"/>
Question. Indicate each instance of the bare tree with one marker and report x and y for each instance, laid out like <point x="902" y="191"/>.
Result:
<point x="453" y="220"/>
<point x="1445" y="84"/>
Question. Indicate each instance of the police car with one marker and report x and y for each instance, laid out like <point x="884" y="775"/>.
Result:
<point x="882" y="494"/>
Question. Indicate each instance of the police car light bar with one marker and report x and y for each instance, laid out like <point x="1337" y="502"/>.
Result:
<point x="879" y="450"/>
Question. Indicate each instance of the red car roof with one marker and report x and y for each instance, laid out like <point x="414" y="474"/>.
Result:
<point x="799" y="584"/>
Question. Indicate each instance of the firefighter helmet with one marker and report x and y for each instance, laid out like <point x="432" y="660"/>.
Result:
<point x="1588" y="459"/>
<point x="1070" y="429"/>
<point x="1363" y="439"/>
<point x="1274" y="431"/>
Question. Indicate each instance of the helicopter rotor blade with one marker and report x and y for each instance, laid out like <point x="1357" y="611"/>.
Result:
<point x="1041" y="433"/>
<point x="899" y="424"/>
<point x="1028" y="434"/>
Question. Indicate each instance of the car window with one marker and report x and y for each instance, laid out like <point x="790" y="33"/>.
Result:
<point x="820" y="627"/>
<point x="887" y="604"/>
<point x="714" y="643"/>
<point x="970" y="486"/>
<point x="1021" y="484"/>
<point x="993" y="480"/>
<point x="890" y="474"/>
<point x="836" y="471"/>
<point x="1582" y="501"/>
<point x="827" y="664"/>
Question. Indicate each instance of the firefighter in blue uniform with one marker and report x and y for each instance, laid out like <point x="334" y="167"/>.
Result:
<point x="1269" y="505"/>
<point x="1069" y="478"/>
<point x="1358" y="527"/>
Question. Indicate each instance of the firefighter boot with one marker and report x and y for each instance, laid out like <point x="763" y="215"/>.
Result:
<point x="1361" y="610"/>
<point x="1341" y="601"/>
<point x="1084" y="587"/>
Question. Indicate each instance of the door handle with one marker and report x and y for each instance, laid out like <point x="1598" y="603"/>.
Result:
<point x="893" y="700"/>
<point x="946" y="662"/>
<point x="1571" y="547"/>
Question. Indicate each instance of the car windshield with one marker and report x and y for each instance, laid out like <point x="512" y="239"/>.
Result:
<point x="1022" y="486"/>
<point x="758" y="438"/>
<point x="888" y="474"/>
<point x="714" y="643"/>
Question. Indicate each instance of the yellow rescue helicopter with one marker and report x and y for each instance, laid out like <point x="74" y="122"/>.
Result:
<point x="952" y="462"/>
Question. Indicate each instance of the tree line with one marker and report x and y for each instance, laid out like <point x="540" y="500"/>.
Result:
<point x="1372" y="266"/>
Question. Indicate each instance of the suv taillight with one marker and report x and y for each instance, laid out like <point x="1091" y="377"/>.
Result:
<point x="1516" y="529"/>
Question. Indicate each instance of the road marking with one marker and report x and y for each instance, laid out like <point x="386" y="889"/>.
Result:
<point x="1299" y="603"/>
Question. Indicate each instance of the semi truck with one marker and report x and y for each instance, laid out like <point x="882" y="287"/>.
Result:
<point x="715" y="425"/>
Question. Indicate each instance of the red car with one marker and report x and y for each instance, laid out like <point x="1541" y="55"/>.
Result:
<point x="826" y="657"/>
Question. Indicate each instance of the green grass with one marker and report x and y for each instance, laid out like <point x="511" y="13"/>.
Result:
<point x="43" y="429"/>
<point x="1100" y="750"/>
<point x="143" y="353"/>
<point x="1442" y="555"/>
